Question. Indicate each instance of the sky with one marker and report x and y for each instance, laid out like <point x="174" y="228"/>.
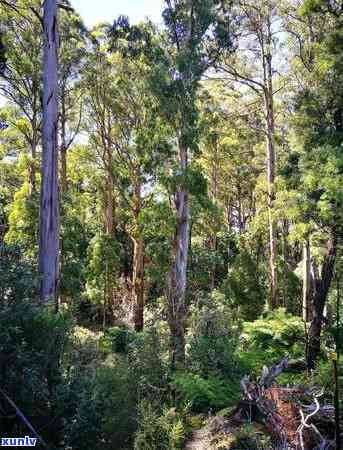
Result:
<point x="94" y="11"/>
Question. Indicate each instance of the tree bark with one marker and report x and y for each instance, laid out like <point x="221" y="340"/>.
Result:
<point x="270" y="144"/>
<point x="32" y="163"/>
<point x="63" y="147"/>
<point x="49" y="209"/>
<point x="177" y="277"/>
<point x="213" y="193"/>
<point x="138" y="283"/>
<point x="109" y="208"/>
<point x="285" y="231"/>
<point x="322" y="285"/>
<point x="306" y="281"/>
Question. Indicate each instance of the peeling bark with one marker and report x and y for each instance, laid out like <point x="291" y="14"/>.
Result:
<point x="177" y="278"/>
<point x="49" y="209"/>
<point x="63" y="147"/>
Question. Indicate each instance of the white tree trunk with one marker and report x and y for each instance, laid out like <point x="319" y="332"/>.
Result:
<point x="49" y="210"/>
<point x="270" y="143"/>
<point x="177" y="279"/>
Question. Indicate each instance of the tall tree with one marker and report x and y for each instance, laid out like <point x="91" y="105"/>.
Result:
<point x="72" y="34"/>
<point x="257" y="38"/>
<point x="190" y="45"/>
<point x="20" y="77"/>
<point x="49" y="209"/>
<point x="315" y="29"/>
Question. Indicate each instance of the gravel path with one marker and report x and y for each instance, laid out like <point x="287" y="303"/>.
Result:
<point x="199" y="440"/>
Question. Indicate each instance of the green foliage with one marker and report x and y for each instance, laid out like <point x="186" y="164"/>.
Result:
<point x="17" y="277"/>
<point x="213" y="337"/>
<point x="33" y="344"/>
<point x="105" y="399"/>
<point x="23" y="221"/>
<point x="104" y="410"/>
<point x="117" y="339"/>
<point x="75" y="239"/>
<point x="148" y="365"/>
<point x="246" y="284"/>
<point x="247" y="438"/>
<point x="165" y="431"/>
<point x="276" y="334"/>
<point x="204" y="394"/>
<point x="103" y="261"/>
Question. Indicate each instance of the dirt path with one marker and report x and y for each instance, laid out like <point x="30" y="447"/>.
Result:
<point x="199" y="440"/>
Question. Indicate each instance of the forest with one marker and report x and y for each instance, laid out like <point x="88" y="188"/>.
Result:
<point x="171" y="226"/>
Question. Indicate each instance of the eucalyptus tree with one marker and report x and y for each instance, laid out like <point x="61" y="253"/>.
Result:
<point x="315" y="29"/>
<point x="140" y="151"/>
<point x="49" y="207"/>
<point x="254" y="67"/>
<point x="73" y="39"/>
<point x="100" y="116"/>
<point x="20" y="77"/>
<point x="194" y="34"/>
<point x="128" y="138"/>
<point x="230" y="160"/>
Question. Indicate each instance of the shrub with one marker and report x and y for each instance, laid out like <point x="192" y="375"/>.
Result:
<point x="165" y="431"/>
<point x="246" y="283"/>
<point x="205" y="393"/>
<point x="104" y="411"/>
<point x="278" y="332"/>
<point x="32" y="347"/>
<point x="117" y="339"/>
<point x="247" y="438"/>
<point x="148" y="367"/>
<point x="213" y="338"/>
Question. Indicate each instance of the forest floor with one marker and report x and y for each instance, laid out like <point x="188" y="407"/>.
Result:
<point x="200" y="440"/>
<point x="219" y="433"/>
<point x="215" y="434"/>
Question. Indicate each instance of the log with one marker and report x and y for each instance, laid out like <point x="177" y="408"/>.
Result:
<point x="291" y="424"/>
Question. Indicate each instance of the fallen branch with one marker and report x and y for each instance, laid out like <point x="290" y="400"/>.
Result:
<point x="290" y="424"/>
<point x="22" y="417"/>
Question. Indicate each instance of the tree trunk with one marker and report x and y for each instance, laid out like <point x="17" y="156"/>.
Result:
<point x="138" y="283"/>
<point x="177" y="277"/>
<point x="306" y="281"/>
<point x="63" y="147"/>
<point x="49" y="209"/>
<point x="109" y="208"/>
<point x="213" y="193"/>
<point x="321" y="289"/>
<point x="270" y="141"/>
<point x="32" y="163"/>
<point x="285" y="231"/>
<point x="34" y="139"/>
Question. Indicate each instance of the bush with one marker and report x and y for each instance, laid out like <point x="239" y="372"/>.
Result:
<point x="104" y="411"/>
<point x="205" y="394"/>
<point x="278" y="332"/>
<point x="247" y="438"/>
<point x="17" y="281"/>
<point x="166" y="431"/>
<point x="117" y="339"/>
<point x="148" y="367"/>
<point x="246" y="283"/>
<point x="213" y="338"/>
<point x="32" y="347"/>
